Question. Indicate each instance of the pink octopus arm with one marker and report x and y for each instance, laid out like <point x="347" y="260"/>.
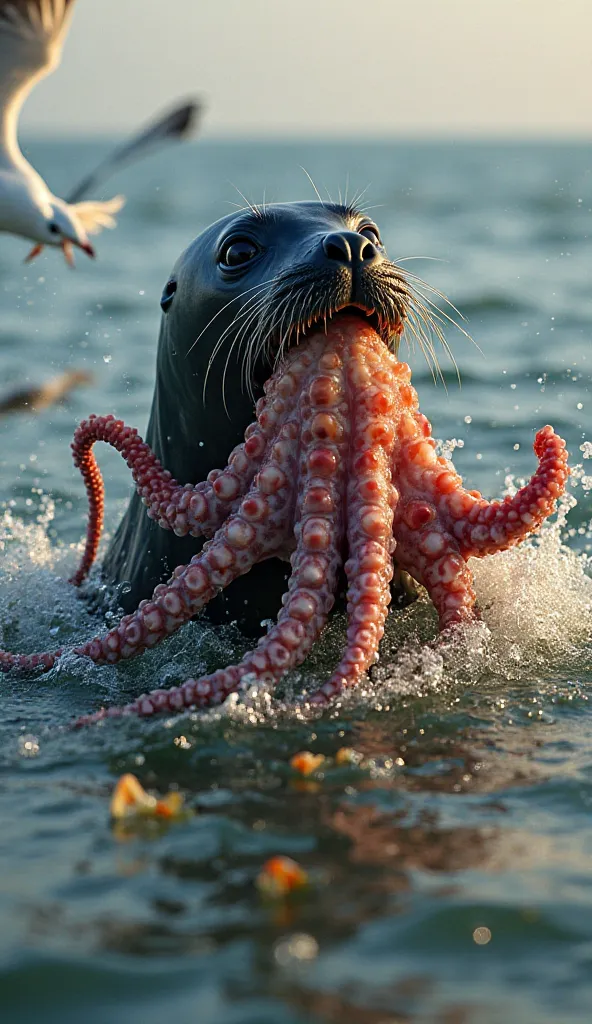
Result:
<point x="183" y="508"/>
<point x="373" y="381"/>
<point x="439" y="524"/>
<point x="253" y="532"/>
<point x="362" y="375"/>
<point x="483" y="527"/>
<point x="315" y="562"/>
<point x="339" y="426"/>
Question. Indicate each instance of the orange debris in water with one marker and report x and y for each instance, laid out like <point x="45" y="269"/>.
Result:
<point x="305" y="763"/>
<point x="347" y="755"/>
<point x="280" y="876"/>
<point x="130" y="799"/>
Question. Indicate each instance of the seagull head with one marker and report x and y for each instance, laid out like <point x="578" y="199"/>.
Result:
<point x="62" y="230"/>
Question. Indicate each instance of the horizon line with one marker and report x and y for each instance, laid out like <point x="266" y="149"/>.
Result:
<point x="476" y="136"/>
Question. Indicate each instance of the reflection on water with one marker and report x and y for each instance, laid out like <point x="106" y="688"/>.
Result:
<point x="450" y="870"/>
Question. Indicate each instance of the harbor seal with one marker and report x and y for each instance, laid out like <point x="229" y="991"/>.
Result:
<point x="228" y="297"/>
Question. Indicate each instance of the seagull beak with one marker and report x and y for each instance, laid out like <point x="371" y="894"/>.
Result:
<point x="34" y="252"/>
<point x="88" y="249"/>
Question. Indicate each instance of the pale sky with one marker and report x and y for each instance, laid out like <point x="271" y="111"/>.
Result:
<point x="328" y="67"/>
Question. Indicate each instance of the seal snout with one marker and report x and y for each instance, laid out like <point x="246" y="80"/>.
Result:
<point x="349" y="248"/>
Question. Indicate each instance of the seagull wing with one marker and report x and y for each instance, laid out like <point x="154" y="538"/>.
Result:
<point x="175" y="124"/>
<point x="32" y="34"/>
<point x="95" y="215"/>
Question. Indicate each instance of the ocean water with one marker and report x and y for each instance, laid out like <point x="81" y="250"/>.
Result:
<point x="451" y="871"/>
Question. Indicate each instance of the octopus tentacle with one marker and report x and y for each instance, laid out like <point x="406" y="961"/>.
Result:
<point x="337" y="428"/>
<point x="432" y="557"/>
<point x="315" y="562"/>
<point x="439" y="525"/>
<point x="198" y="509"/>
<point x="252" y="533"/>
<point x="483" y="527"/>
<point x="371" y="500"/>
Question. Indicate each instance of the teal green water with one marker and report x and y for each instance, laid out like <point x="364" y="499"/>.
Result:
<point x="473" y="808"/>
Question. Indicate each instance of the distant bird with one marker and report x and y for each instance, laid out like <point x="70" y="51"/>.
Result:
<point x="32" y="34"/>
<point x="51" y="391"/>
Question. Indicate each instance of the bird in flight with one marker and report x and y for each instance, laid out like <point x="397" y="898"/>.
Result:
<point x="32" y="34"/>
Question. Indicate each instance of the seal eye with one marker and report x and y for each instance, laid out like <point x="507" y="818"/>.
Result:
<point x="237" y="252"/>
<point x="167" y="296"/>
<point x="53" y="228"/>
<point x="371" y="233"/>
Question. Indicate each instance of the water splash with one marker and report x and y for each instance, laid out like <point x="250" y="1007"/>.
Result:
<point x="535" y="600"/>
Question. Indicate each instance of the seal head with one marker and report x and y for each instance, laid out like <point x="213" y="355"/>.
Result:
<point x="245" y="290"/>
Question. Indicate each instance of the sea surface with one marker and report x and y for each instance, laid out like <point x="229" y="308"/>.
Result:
<point x="450" y="870"/>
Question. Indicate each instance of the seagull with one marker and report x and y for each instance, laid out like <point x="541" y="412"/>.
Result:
<point x="32" y="34"/>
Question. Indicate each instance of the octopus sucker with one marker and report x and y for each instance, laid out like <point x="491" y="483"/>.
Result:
<point x="338" y="470"/>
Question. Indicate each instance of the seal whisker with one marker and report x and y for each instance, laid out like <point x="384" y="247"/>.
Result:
<point x="250" y="316"/>
<point x="238" y="339"/>
<point x="254" y="347"/>
<point x="283" y="338"/>
<point x="331" y="200"/>
<point x="243" y="312"/>
<point x="405" y="259"/>
<point x="441" y="313"/>
<point x="248" y="359"/>
<point x="435" y="291"/>
<point x="275" y="321"/>
<point x="248" y="362"/>
<point x="254" y="209"/>
<point x="354" y="204"/>
<point x="375" y="206"/>
<point x="228" y="356"/>
<point x="426" y="347"/>
<point x="220" y="311"/>
<point x="317" y="193"/>
<point x="418" y="328"/>
<point x="431" y="326"/>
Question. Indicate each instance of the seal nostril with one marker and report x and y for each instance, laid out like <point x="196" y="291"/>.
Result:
<point x="337" y="248"/>
<point x="368" y="252"/>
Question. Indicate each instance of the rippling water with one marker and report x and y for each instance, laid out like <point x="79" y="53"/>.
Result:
<point x="451" y="876"/>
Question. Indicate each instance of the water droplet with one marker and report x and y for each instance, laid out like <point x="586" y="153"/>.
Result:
<point x="28" y="746"/>
<point x="296" y="947"/>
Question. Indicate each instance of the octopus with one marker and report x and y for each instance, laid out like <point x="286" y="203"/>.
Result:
<point x="339" y="472"/>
